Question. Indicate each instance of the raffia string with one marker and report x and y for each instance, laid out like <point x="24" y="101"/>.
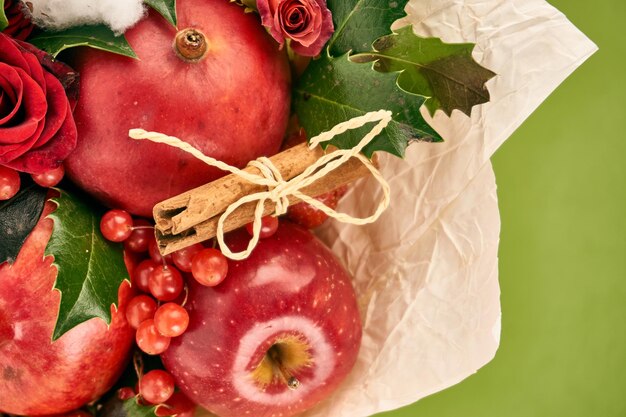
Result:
<point x="278" y="190"/>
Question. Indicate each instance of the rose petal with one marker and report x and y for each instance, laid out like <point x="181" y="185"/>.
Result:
<point x="31" y="103"/>
<point x="309" y="34"/>
<point x="52" y="154"/>
<point x="20" y="26"/>
<point x="10" y="54"/>
<point x="35" y="70"/>
<point x="326" y="32"/>
<point x="67" y="76"/>
<point x="57" y="110"/>
<point x="10" y="98"/>
<point x="267" y="20"/>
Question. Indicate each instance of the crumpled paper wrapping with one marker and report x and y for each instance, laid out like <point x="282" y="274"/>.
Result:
<point x="427" y="272"/>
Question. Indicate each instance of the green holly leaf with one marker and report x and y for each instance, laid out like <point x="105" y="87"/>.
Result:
<point x="18" y="216"/>
<point x="4" y="22"/>
<point x="94" y="36"/>
<point x="358" y="23"/>
<point x="166" y="8"/>
<point x="115" y="407"/>
<point x="445" y="72"/>
<point x="333" y="90"/>
<point x="90" y="268"/>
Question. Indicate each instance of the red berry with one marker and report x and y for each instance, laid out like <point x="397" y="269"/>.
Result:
<point x="125" y="393"/>
<point x="156" y="386"/>
<point x="9" y="182"/>
<point x="141" y="274"/>
<point x="165" y="282"/>
<point x="116" y="225"/>
<point x="209" y="267"/>
<point x="269" y="225"/>
<point x="178" y="405"/>
<point x="171" y="320"/>
<point x="50" y="178"/>
<point x="139" y="309"/>
<point x="153" y="250"/>
<point x="310" y="217"/>
<point x="140" y="236"/>
<point x="150" y="340"/>
<point x="182" y="257"/>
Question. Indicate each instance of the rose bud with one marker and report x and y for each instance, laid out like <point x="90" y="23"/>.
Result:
<point x="37" y="129"/>
<point x="17" y="14"/>
<point x="308" y="23"/>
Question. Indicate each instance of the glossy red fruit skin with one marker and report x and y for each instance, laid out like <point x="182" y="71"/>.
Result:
<point x="50" y="178"/>
<point x="38" y="376"/>
<point x="178" y="405"/>
<point x="269" y="224"/>
<point x="165" y="283"/>
<point x="140" y="237"/>
<point x="310" y="217"/>
<point x="149" y="340"/>
<point x="233" y="105"/>
<point x="156" y="386"/>
<point x="140" y="308"/>
<point x="291" y="284"/>
<point x="141" y="274"/>
<point x="9" y="182"/>
<point x="182" y="257"/>
<point x="209" y="267"/>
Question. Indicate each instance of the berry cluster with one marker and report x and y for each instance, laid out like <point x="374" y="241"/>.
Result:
<point x="157" y="312"/>
<point x="10" y="180"/>
<point x="158" y="387"/>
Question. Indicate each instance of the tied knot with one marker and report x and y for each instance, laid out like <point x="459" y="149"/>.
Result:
<point x="277" y="186"/>
<point x="278" y="190"/>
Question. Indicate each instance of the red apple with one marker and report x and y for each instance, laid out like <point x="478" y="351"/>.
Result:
<point x="276" y="337"/>
<point x="232" y="103"/>
<point x="39" y="376"/>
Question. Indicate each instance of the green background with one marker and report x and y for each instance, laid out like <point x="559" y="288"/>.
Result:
<point x="562" y="196"/>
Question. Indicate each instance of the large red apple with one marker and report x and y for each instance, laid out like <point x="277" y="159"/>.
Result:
<point x="39" y="376"/>
<point x="232" y="103"/>
<point x="276" y="337"/>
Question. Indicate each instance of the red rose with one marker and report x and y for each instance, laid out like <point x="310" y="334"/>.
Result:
<point x="37" y="129"/>
<point x="308" y="23"/>
<point x="20" y="25"/>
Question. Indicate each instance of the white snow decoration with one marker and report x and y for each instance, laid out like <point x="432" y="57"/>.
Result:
<point x="119" y="15"/>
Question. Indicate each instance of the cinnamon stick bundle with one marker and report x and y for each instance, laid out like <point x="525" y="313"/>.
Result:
<point x="192" y="217"/>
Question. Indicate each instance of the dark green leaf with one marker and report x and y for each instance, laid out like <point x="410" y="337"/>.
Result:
<point x="4" y="22"/>
<point x="95" y="36"/>
<point x="358" y="23"/>
<point x="115" y="407"/>
<point x="18" y="217"/>
<point x="333" y="90"/>
<point x="166" y="8"/>
<point x="90" y="268"/>
<point x="446" y="73"/>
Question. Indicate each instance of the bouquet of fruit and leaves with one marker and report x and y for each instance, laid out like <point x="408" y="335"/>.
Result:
<point x="165" y="167"/>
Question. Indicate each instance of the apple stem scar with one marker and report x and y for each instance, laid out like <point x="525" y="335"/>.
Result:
<point x="190" y="45"/>
<point x="292" y="382"/>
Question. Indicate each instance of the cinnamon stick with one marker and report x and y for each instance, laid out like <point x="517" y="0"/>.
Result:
<point x="192" y="217"/>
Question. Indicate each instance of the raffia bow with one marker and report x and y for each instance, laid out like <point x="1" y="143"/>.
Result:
<point x="278" y="189"/>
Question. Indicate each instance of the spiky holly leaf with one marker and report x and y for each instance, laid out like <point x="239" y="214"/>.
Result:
<point x="166" y="8"/>
<point x="333" y="90"/>
<point x="90" y="268"/>
<point x="94" y="36"/>
<point x="358" y="23"/>
<point x="128" y="408"/>
<point x="114" y="407"/>
<point x="18" y="217"/>
<point x="445" y="72"/>
<point x="4" y="22"/>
